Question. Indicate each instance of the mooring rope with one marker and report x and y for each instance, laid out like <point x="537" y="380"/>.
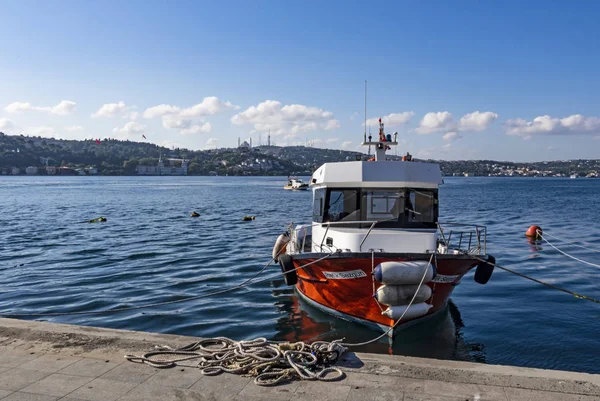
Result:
<point x="576" y="295"/>
<point x="565" y="253"/>
<point x="391" y="329"/>
<point x="190" y="298"/>
<point x="575" y="244"/>
<point x="270" y="363"/>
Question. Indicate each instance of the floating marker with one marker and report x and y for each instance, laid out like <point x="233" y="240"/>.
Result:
<point x="248" y="218"/>
<point x="98" y="220"/>
<point x="534" y="232"/>
<point x="195" y="214"/>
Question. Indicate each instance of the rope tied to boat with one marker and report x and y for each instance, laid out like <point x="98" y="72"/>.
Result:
<point x="270" y="363"/>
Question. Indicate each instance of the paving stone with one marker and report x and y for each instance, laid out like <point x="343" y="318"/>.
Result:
<point x="130" y="372"/>
<point x="157" y="392"/>
<point x="519" y="394"/>
<point x="375" y="394"/>
<point x="4" y="393"/>
<point x="355" y="379"/>
<point x="323" y="391"/>
<point x="463" y="390"/>
<point x="57" y="385"/>
<point x="11" y="360"/>
<point x="16" y="379"/>
<point x="102" y="390"/>
<point x="432" y="397"/>
<point x="49" y="363"/>
<point x="283" y="392"/>
<point x="89" y="367"/>
<point x="222" y="385"/>
<point x="178" y="377"/>
<point x="18" y="396"/>
<point x="69" y="399"/>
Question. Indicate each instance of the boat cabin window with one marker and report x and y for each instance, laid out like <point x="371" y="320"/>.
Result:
<point x="393" y="208"/>
<point x="342" y="205"/>
<point x="318" y="205"/>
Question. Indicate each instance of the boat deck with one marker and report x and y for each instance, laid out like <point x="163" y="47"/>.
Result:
<point x="47" y="361"/>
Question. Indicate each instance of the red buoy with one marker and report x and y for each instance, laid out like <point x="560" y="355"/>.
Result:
<point x="534" y="232"/>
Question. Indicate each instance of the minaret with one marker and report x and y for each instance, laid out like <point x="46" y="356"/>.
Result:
<point x="269" y="139"/>
<point x="250" y="141"/>
<point x="239" y="142"/>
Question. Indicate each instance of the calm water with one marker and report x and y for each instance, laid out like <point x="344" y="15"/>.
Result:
<point x="150" y="251"/>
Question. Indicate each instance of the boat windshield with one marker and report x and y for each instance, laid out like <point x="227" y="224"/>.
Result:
<point x="394" y="208"/>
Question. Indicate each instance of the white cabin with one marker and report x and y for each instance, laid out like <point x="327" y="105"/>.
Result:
<point x="395" y="203"/>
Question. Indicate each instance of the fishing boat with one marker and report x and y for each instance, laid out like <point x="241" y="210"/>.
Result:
<point x="296" y="184"/>
<point x="375" y="252"/>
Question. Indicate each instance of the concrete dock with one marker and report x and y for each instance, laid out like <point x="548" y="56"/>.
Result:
<point x="45" y="362"/>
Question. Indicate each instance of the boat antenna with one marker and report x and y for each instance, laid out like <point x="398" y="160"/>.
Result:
<point x="365" y="138"/>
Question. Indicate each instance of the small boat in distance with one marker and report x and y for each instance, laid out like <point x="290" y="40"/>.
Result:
<point x="375" y="252"/>
<point x="296" y="184"/>
<point x="573" y="176"/>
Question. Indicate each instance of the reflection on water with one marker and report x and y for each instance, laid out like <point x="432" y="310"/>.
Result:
<point x="439" y="336"/>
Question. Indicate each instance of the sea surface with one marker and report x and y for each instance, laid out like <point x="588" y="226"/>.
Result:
<point x="150" y="251"/>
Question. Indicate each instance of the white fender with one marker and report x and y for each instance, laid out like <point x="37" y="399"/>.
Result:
<point x="415" y="310"/>
<point x="402" y="294"/>
<point x="280" y="243"/>
<point x="401" y="273"/>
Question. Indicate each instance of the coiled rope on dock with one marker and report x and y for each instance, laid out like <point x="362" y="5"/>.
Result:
<point x="270" y="363"/>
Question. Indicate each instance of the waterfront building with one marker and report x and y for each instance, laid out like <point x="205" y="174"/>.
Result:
<point x="31" y="170"/>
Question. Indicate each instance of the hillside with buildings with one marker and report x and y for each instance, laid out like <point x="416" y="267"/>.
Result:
<point x="45" y="156"/>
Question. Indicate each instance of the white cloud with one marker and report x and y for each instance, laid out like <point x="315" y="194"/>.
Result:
<point x="331" y="124"/>
<point x="18" y="107"/>
<point x="6" y="124"/>
<point x="129" y="130"/>
<point x="134" y="115"/>
<point x="209" y="106"/>
<point x="113" y="110"/>
<point x="73" y="128"/>
<point x="476" y="121"/>
<point x="271" y="115"/>
<point x="332" y="140"/>
<point x="161" y="110"/>
<point x="546" y="125"/>
<point x="391" y="120"/>
<point x="186" y="120"/>
<point x="443" y="121"/>
<point x="43" y="131"/>
<point x="346" y="144"/>
<point x="65" y="107"/>
<point x="436" y="122"/>
<point x="175" y="122"/>
<point x="197" y="129"/>
<point x="451" y="136"/>
<point x="211" y="141"/>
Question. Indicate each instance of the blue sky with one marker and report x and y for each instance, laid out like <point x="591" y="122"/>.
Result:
<point x="457" y="80"/>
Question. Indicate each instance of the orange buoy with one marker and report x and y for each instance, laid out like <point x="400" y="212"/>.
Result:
<point x="534" y="232"/>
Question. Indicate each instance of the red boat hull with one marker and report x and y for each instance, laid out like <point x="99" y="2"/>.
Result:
<point x="352" y="298"/>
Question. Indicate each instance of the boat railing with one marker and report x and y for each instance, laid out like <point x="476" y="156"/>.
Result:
<point x="464" y="237"/>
